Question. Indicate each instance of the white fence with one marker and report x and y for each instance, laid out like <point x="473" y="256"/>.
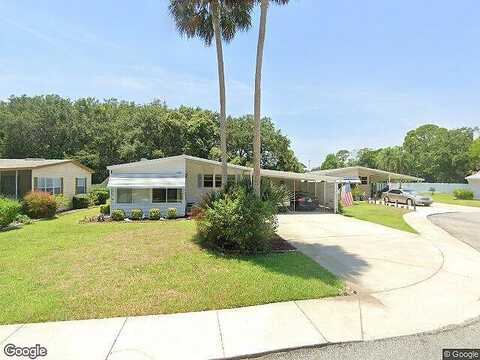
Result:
<point x="445" y="188"/>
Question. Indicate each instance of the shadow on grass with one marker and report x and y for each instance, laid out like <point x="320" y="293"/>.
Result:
<point x="310" y="261"/>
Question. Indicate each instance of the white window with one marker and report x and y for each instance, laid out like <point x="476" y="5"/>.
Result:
<point x="124" y="196"/>
<point x="174" y="195"/>
<point x="208" y="181"/>
<point x="80" y="186"/>
<point x="218" y="181"/>
<point x="159" y="196"/>
<point x="141" y="195"/>
<point x="364" y="180"/>
<point x="50" y="185"/>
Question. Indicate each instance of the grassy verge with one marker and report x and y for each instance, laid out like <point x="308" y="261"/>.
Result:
<point x="60" y="270"/>
<point x="450" y="199"/>
<point x="379" y="214"/>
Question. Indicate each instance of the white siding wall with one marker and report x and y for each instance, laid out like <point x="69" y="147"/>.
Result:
<point x="475" y="186"/>
<point x="168" y="167"/>
<point x="446" y="188"/>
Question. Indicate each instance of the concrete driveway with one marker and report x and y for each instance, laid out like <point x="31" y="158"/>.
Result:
<point x="371" y="257"/>
<point x="463" y="226"/>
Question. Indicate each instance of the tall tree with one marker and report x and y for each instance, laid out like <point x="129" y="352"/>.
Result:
<point x="257" y="142"/>
<point x="208" y="19"/>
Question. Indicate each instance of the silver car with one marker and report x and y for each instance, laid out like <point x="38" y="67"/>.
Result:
<point x="408" y="197"/>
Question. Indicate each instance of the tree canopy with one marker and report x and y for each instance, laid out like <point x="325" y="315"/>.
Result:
<point x="434" y="153"/>
<point x="103" y="133"/>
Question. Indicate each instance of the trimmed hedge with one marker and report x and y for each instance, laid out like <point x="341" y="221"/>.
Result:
<point x="154" y="214"/>
<point x="9" y="210"/>
<point x="99" y="196"/>
<point x="463" y="194"/>
<point x="136" y="214"/>
<point x="105" y="209"/>
<point x="172" y="213"/>
<point x="81" y="201"/>
<point x="38" y="204"/>
<point x="118" y="215"/>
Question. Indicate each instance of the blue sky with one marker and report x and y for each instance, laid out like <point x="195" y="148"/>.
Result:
<point x="337" y="74"/>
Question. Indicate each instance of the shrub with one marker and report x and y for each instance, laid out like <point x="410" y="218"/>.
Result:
<point x="171" y="213"/>
<point x="154" y="214"/>
<point x="37" y="204"/>
<point x="357" y="193"/>
<point x="237" y="220"/>
<point x="463" y="194"/>
<point x="23" y="219"/>
<point x="136" y="214"/>
<point x="9" y="209"/>
<point x="105" y="209"/>
<point x="118" y="215"/>
<point x="63" y="203"/>
<point x="81" y="201"/>
<point x="99" y="196"/>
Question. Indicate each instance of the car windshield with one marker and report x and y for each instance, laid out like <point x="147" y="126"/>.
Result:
<point x="410" y="192"/>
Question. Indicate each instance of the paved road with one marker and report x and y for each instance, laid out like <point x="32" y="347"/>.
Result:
<point x="463" y="226"/>
<point x="424" y="346"/>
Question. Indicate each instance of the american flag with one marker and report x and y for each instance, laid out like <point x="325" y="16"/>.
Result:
<point x="347" y="198"/>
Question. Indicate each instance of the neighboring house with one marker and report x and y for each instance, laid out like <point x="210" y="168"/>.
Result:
<point x="58" y="177"/>
<point x="180" y="181"/>
<point x="474" y="182"/>
<point x="369" y="180"/>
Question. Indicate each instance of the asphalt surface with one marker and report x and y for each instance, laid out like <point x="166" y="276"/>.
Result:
<point x="421" y="346"/>
<point x="466" y="228"/>
<point x="463" y="226"/>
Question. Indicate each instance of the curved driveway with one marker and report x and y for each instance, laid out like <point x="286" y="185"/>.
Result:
<point x="407" y="283"/>
<point x="463" y="226"/>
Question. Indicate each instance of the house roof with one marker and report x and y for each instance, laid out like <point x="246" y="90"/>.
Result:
<point x="474" y="176"/>
<point x="31" y="163"/>
<point x="264" y="172"/>
<point x="392" y="175"/>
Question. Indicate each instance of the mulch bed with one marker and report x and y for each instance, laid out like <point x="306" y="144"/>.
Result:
<point x="281" y="245"/>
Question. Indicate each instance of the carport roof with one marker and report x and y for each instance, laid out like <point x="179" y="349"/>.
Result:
<point x="374" y="172"/>
<point x="474" y="176"/>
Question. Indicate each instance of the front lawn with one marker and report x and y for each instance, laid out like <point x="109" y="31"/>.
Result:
<point x="60" y="270"/>
<point x="450" y="199"/>
<point x="379" y="214"/>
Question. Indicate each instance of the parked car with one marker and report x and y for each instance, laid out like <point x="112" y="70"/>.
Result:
<point x="304" y="201"/>
<point x="405" y="196"/>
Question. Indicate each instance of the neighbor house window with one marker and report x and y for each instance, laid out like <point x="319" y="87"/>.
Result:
<point x="50" y="185"/>
<point x="364" y="180"/>
<point x="208" y="181"/>
<point x="218" y="181"/>
<point x="124" y="196"/>
<point x="159" y="195"/>
<point x="174" y="195"/>
<point x="80" y="186"/>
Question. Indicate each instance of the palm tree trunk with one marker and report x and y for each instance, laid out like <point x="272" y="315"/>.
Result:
<point x="257" y="145"/>
<point x="221" y="86"/>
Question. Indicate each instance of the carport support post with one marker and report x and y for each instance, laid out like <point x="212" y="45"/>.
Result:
<point x="16" y="184"/>
<point x="293" y="195"/>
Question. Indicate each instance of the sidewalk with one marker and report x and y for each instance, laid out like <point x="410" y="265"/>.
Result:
<point x="449" y="296"/>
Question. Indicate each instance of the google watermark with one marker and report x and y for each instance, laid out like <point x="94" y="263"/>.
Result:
<point x="32" y="352"/>
<point x="471" y="354"/>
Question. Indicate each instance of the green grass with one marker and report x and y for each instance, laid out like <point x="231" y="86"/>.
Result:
<point x="450" y="199"/>
<point x="379" y="214"/>
<point x="61" y="270"/>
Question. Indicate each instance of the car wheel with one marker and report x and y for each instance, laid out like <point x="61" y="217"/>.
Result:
<point x="409" y="202"/>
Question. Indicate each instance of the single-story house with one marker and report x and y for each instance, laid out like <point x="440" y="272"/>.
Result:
<point x="181" y="181"/>
<point x="369" y="180"/>
<point x="474" y="182"/>
<point x="65" y="177"/>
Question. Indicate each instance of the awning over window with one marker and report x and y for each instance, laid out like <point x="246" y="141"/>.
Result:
<point x="142" y="181"/>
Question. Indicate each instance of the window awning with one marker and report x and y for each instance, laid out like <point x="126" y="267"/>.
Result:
<point x="142" y="181"/>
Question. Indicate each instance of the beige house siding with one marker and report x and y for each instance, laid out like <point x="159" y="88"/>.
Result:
<point x="68" y="171"/>
<point x="475" y="185"/>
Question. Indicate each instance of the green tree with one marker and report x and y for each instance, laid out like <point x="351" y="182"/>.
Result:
<point x="330" y="162"/>
<point x="474" y="155"/>
<point x="208" y="20"/>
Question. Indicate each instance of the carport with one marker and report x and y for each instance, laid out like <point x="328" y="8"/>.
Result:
<point x="368" y="180"/>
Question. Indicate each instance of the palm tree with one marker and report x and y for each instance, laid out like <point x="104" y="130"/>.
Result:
<point x="257" y="144"/>
<point x="208" y="19"/>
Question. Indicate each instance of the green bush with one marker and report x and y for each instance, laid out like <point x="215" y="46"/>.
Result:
<point x="237" y="220"/>
<point x="23" y="219"/>
<point x="463" y="194"/>
<point x="154" y="214"/>
<point x="357" y="193"/>
<point x="37" y="205"/>
<point x="9" y="209"/>
<point x="81" y="201"/>
<point x="171" y="213"/>
<point x="136" y="214"/>
<point x="63" y="203"/>
<point x="105" y="209"/>
<point x="99" y="196"/>
<point x="118" y="215"/>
